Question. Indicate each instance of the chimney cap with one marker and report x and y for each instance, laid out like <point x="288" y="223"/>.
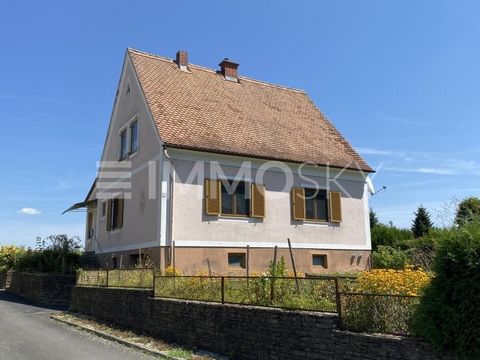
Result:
<point x="227" y="61"/>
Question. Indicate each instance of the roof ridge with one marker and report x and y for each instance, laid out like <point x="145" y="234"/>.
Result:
<point x="204" y="68"/>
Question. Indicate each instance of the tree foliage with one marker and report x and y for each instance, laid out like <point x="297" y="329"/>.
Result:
<point x="61" y="256"/>
<point x="449" y="313"/>
<point x="422" y="223"/>
<point x="468" y="210"/>
<point x="373" y="219"/>
<point x="9" y="255"/>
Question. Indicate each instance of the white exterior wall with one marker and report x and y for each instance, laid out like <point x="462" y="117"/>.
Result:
<point x="141" y="213"/>
<point x="191" y="227"/>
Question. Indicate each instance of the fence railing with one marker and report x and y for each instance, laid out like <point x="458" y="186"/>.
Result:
<point x="357" y="311"/>
<point x="312" y="293"/>
<point x="121" y="278"/>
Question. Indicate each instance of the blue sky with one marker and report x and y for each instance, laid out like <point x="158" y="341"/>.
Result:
<point x="399" y="79"/>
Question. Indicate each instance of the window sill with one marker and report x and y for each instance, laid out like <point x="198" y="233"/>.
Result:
<point x="235" y="218"/>
<point x="114" y="231"/>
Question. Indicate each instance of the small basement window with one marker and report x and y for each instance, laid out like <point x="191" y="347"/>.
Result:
<point x="319" y="260"/>
<point x="237" y="260"/>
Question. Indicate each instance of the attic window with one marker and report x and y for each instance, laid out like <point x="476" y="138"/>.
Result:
<point x="127" y="91"/>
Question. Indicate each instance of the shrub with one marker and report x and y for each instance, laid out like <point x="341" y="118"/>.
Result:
<point x="389" y="235"/>
<point x="387" y="257"/>
<point x="409" y="281"/>
<point x="60" y="257"/>
<point x="9" y="255"/>
<point x="370" y="311"/>
<point x="449" y="313"/>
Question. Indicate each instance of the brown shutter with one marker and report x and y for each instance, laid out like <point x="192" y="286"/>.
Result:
<point x="212" y="197"/>
<point x="335" y="206"/>
<point x="257" y="201"/>
<point x="120" y="203"/>
<point x="109" y="215"/>
<point x="298" y="204"/>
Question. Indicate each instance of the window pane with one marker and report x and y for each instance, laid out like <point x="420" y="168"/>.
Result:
<point x="320" y="260"/>
<point x="310" y="204"/>
<point x="322" y="205"/>
<point x="227" y="201"/>
<point x="123" y="145"/>
<point x="134" y="137"/>
<point x="237" y="260"/>
<point x="242" y="204"/>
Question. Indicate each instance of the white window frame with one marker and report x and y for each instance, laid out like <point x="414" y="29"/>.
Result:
<point x="127" y="128"/>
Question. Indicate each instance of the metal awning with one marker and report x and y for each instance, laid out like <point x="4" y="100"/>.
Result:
<point x="80" y="205"/>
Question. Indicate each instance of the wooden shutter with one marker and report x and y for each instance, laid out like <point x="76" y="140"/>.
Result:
<point x="212" y="197"/>
<point x="257" y="201"/>
<point x="119" y="212"/>
<point x="335" y="206"/>
<point x="109" y="215"/>
<point x="298" y="204"/>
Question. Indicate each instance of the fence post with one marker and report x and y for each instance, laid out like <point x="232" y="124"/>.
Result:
<point x="107" y="277"/>
<point x="338" y="302"/>
<point x="223" y="289"/>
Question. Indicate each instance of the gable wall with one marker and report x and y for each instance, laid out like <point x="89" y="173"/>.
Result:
<point x="140" y="225"/>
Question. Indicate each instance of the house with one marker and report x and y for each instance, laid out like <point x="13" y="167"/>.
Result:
<point x="208" y="170"/>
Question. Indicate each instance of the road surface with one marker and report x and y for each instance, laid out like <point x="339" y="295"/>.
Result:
<point x="27" y="333"/>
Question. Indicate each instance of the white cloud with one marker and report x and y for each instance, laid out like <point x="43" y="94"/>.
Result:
<point x="372" y="151"/>
<point x="423" y="170"/>
<point x="29" y="211"/>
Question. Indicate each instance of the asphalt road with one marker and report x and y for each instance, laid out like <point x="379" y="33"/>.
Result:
<point x="27" y="333"/>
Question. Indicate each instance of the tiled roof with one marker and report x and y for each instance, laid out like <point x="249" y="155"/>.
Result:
<point x="198" y="109"/>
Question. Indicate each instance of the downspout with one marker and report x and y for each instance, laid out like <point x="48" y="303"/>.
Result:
<point x="170" y="197"/>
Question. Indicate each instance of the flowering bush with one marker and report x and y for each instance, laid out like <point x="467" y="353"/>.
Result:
<point x="9" y="255"/>
<point x="409" y="281"/>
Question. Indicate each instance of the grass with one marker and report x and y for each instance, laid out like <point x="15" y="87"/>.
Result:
<point x="136" y="338"/>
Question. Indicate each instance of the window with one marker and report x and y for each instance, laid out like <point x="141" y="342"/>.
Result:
<point x="316" y="206"/>
<point x="236" y="260"/>
<point x="134" y="137"/>
<point x="114" y="263"/>
<point x="235" y="198"/>
<point x="90" y="229"/>
<point x="104" y="208"/>
<point x="319" y="260"/>
<point x="115" y="214"/>
<point x="127" y="91"/>
<point x="123" y="145"/>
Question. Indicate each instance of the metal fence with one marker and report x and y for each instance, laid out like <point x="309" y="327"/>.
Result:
<point x="357" y="311"/>
<point x="118" y="278"/>
<point x="312" y="293"/>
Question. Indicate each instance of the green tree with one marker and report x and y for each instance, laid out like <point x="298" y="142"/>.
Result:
<point x="449" y="311"/>
<point x="390" y="235"/>
<point x="373" y="219"/>
<point x="468" y="210"/>
<point x="422" y="222"/>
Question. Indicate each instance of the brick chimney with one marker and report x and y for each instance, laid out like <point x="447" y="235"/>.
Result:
<point x="229" y="69"/>
<point x="182" y="59"/>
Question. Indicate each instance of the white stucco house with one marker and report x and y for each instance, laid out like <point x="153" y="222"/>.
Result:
<point x="210" y="169"/>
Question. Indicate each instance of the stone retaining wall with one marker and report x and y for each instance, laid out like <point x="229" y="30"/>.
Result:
<point x="243" y="332"/>
<point x="44" y="289"/>
<point x="3" y="279"/>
